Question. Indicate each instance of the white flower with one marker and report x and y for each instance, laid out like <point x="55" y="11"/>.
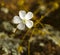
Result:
<point x="23" y="19"/>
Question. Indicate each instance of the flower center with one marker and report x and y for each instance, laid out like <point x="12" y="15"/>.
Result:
<point x="24" y="21"/>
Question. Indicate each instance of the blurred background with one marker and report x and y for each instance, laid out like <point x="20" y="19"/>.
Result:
<point x="46" y="24"/>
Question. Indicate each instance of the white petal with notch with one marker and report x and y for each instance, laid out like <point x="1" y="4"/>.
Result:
<point x="29" y="15"/>
<point x="21" y="26"/>
<point x="22" y="14"/>
<point x="29" y="23"/>
<point x="16" y="20"/>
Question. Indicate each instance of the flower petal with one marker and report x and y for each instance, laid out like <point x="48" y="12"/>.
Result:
<point x="29" y="15"/>
<point x="21" y="26"/>
<point x="16" y="20"/>
<point x="22" y="14"/>
<point x="29" y="23"/>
